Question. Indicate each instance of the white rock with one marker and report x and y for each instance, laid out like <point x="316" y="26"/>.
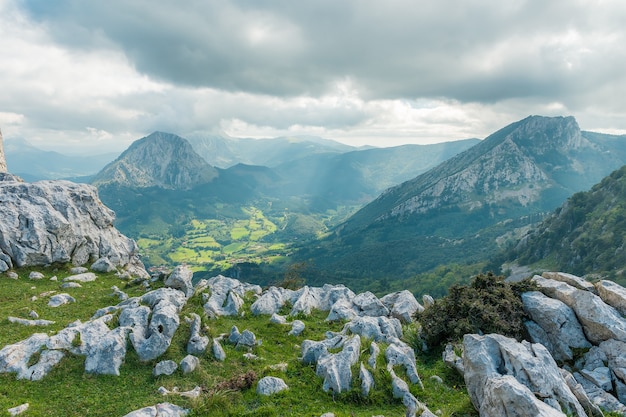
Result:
<point x="159" y="410"/>
<point x="108" y="354"/>
<point x="600" y="376"/>
<point x="218" y="351"/>
<point x="84" y="277"/>
<point x="342" y="310"/>
<point x="166" y="367"/>
<point x="278" y="319"/>
<point x="402" y="305"/>
<point x="573" y="280"/>
<point x="35" y="275"/>
<point x="66" y="285"/>
<point x="181" y="279"/>
<point x="14" y="411"/>
<point x="197" y="343"/>
<point x="269" y="303"/>
<point x="335" y="368"/>
<point x="78" y="270"/>
<point x="189" y="364"/>
<point x="25" y="322"/>
<point x="367" y="380"/>
<point x="297" y="327"/>
<point x="103" y="265"/>
<point x="60" y="299"/>
<point x="12" y="275"/>
<point x="367" y="304"/>
<point x="270" y="385"/>
<point x="613" y="294"/>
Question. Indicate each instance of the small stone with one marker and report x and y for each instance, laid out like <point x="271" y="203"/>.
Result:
<point x="167" y="367"/>
<point x="270" y="385"/>
<point x="18" y="410"/>
<point x="78" y="270"/>
<point x="33" y="314"/>
<point x="189" y="364"/>
<point x="297" y="327"/>
<point x="71" y="285"/>
<point x="35" y="275"/>
<point x="12" y="275"/>
<point x="278" y="319"/>
<point x="247" y="339"/>
<point x="218" y="351"/>
<point x="54" y="278"/>
<point x="60" y="299"/>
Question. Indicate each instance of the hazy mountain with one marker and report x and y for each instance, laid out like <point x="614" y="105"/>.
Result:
<point x="585" y="235"/>
<point x="161" y="160"/>
<point x="223" y="151"/>
<point x="33" y="164"/>
<point x="450" y="213"/>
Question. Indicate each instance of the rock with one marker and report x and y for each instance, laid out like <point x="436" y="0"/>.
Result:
<point x="436" y="378"/>
<point x="54" y="278"/>
<point x="234" y="335"/>
<point x="49" y="222"/>
<point x="367" y="380"/>
<point x="189" y="364"/>
<point x="335" y="368"/>
<point x="404" y="356"/>
<point x="427" y="300"/>
<point x="3" y="160"/>
<point x="108" y="354"/>
<point x="33" y="314"/>
<point x="599" y="397"/>
<point x="402" y="305"/>
<point x="12" y="275"/>
<point x="250" y="356"/>
<point x="269" y="303"/>
<point x="180" y="279"/>
<point x="500" y="367"/>
<point x="379" y="329"/>
<point x="84" y="277"/>
<point x="170" y="295"/>
<point x="600" y="376"/>
<point x="66" y="285"/>
<point x="297" y="327"/>
<point x="218" y="351"/>
<point x="48" y="359"/>
<point x="374" y="352"/>
<point x="121" y="295"/>
<point x="367" y="304"/>
<point x="313" y="350"/>
<point x="573" y="280"/>
<point x="167" y="367"/>
<point x="194" y="393"/>
<point x="60" y="299"/>
<point x="599" y="320"/>
<point x="226" y="296"/>
<point x="452" y="360"/>
<point x="103" y="265"/>
<point x="579" y="392"/>
<point x="342" y="310"/>
<point x="78" y="270"/>
<point x="270" y="385"/>
<point x="309" y="299"/>
<point x="613" y="294"/>
<point x="399" y="388"/>
<point x="159" y="410"/>
<point x="278" y="319"/>
<point x="14" y="411"/>
<point x="247" y="339"/>
<point x="25" y="322"/>
<point x="197" y="343"/>
<point x="35" y="275"/>
<point x="562" y="329"/>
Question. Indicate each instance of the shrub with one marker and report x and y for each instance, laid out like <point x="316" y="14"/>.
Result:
<point x="487" y="305"/>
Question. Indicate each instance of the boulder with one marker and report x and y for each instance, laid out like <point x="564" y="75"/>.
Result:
<point x="103" y="265"/>
<point x="197" y="343"/>
<point x="452" y="360"/>
<point x="309" y="299"/>
<point x="278" y="319"/>
<point x="35" y="275"/>
<point x="379" y="329"/>
<point x="66" y="285"/>
<point x="374" y="352"/>
<point x="297" y="327"/>
<point x="532" y="376"/>
<point x="218" y="351"/>
<point x="189" y="364"/>
<point x="559" y="323"/>
<point x="332" y="294"/>
<point x="234" y="335"/>
<point x="335" y="368"/>
<point x="599" y="397"/>
<point x="313" y="350"/>
<point x="599" y="320"/>
<point x="613" y="294"/>
<point x="367" y="304"/>
<point x="167" y="367"/>
<point x="342" y="310"/>
<point x="226" y="296"/>
<point x="58" y="300"/>
<point x="427" y="300"/>
<point x="108" y="354"/>
<point x="82" y="277"/>
<point x="121" y="295"/>
<point x="403" y="355"/>
<point x="49" y="222"/>
<point x="26" y="322"/>
<point x="160" y="410"/>
<point x="573" y="280"/>
<point x="402" y="305"/>
<point x="247" y="339"/>
<point x="15" y="411"/>
<point x="269" y="303"/>
<point x="180" y="279"/>
<point x="270" y="385"/>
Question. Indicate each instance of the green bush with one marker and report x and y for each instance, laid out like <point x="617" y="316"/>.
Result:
<point x="487" y="305"/>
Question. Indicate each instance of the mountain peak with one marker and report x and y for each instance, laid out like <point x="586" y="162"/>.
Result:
<point x="160" y="159"/>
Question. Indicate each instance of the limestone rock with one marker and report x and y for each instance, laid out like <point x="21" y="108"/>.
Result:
<point x="218" y="351"/>
<point x="613" y="294"/>
<point x="342" y="310"/>
<point x="12" y="275"/>
<point x="197" y="343"/>
<point x="269" y="303"/>
<point x="581" y="395"/>
<point x="367" y="380"/>
<point x="427" y="300"/>
<point x="247" y="339"/>
<point x="452" y="360"/>
<point x="25" y="322"/>
<point x="335" y="368"/>
<point x="313" y="350"/>
<point x="180" y="279"/>
<point x="82" y="277"/>
<point x="297" y="327"/>
<point x="35" y="275"/>
<point x="59" y="222"/>
<point x="520" y="371"/>
<point x="404" y="355"/>
<point x="367" y="304"/>
<point x="278" y="319"/>
<point x="58" y="300"/>
<point x="121" y="295"/>
<point x="108" y="354"/>
<point x="374" y="352"/>
<point x="15" y="411"/>
<point x="573" y="280"/>
<point x="189" y="364"/>
<point x="599" y="397"/>
<point x="599" y="320"/>
<point x="226" y="296"/>
<point x="167" y="367"/>
<point x="159" y="410"/>
<point x="379" y="329"/>
<point x="3" y="160"/>
<point x="562" y="329"/>
<point x="103" y="265"/>
<point x="66" y="285"/>
<point x="402" y="305"/>
<point x="309" y="299"/>
<point x="270" y="385"/>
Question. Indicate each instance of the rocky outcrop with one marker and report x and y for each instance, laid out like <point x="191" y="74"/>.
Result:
<point x="3" y="161"/>
<point x="59" y="222"/>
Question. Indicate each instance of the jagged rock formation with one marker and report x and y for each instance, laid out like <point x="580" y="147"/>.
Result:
<point x="159" y="160"/>
<point x="58" y="221"/>
<point x="3" y="161"/>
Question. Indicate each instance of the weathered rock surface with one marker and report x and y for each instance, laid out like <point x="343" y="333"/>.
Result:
<point x="189" y="364"/>
<point x="26" y="322"/>
<point x="335" y="368"/>
<point x="270" y="385"/>
<point x="81" y="277"/>
<point x="613" y="294"/>
<point x="226" y="296"/>
<point x="197" y="343"/>
<point x="402" y="305"/>
<point x="58" y="300"/>
<point x="167" y="367"/>
<point x="59" y="222"/>
<point x="159" y="410"/>
<point x="180" y="279"/>
<point x="107" y="356"/>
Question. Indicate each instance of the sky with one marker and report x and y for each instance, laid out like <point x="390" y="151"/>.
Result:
<point x="92" y="76"/>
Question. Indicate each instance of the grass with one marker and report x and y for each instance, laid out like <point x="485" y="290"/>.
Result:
<point x="69" y="391"/>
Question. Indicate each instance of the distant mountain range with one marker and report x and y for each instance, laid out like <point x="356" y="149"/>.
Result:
<point x="455" y="211"/>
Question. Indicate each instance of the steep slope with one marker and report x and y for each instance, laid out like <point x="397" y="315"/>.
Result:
<point x="161" y="160"/>
<point x="586" y="233"/>
<point x="455" y="212"/>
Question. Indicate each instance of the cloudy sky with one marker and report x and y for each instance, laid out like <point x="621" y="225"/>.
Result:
<point x="95" y="75"/>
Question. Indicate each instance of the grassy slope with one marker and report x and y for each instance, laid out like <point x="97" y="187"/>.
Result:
<point x="68" y="391"/>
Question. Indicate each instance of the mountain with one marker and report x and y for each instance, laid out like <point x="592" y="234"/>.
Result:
<point x="33" y="164"/>
<point x="161" y="160"/>
<point x="455" y="211"/>
<point x="224" y="151"/>
<point x="586" y="234"/>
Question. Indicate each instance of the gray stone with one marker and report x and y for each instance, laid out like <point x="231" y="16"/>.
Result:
<point x="402" y="305"/>
<point x="562" y="329"/>
<point x="197" y="343"/>
<point x="33" y="314"/>
<point x="189" y="364"/>
<point x="226" y="296"/>
<point x="452" y="360"/>
<point x="15" y="411"/>
<point x="367" y="380"/>
<point x="404" y="355"/>
<point x="66" y="285"/>
<point x="12" y="275"/>
<point x="313" y="350"/>
<point x="278" y="319"/>
<point x="78" y="270"/>
<point x="309" y="299"/>
<point x="500" y="367"/>
<point x="573" y="280"/>
<point x="427" y="300"/>
<point x="108" y="354"/>
<point x="579" y="392"/>
<point x="159" y="410"/>
<point x="170" y="295"/>
<point x="297" y="327"/>
<point x="103" y="265"/>
<point x="58" y="300"/>
<point x="234" y="335"/>
<point x="218" y="351"/>
<point x="247" y="339"/>
<point x="25" y="322"/>
<point x="269" y="303"/>
<point x="379" y="329"/>
<point x="335" y="368"/>
<point x="342" y="310"/>
<point x="84" y="277"/>
<point x="600" y="376"/>
<point x="270" y="385"/>
<point x="374" y="352"/>
<point x="181" y="279"/>
<point x="367" y="304"/>
<point x="599" y="397"/>
<point x="121" y="295"/>
<point x="613" y="294"/>
<point x="35" y="275"/>
<point x="599" y="320"/>
<point x="167" y="367"/>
